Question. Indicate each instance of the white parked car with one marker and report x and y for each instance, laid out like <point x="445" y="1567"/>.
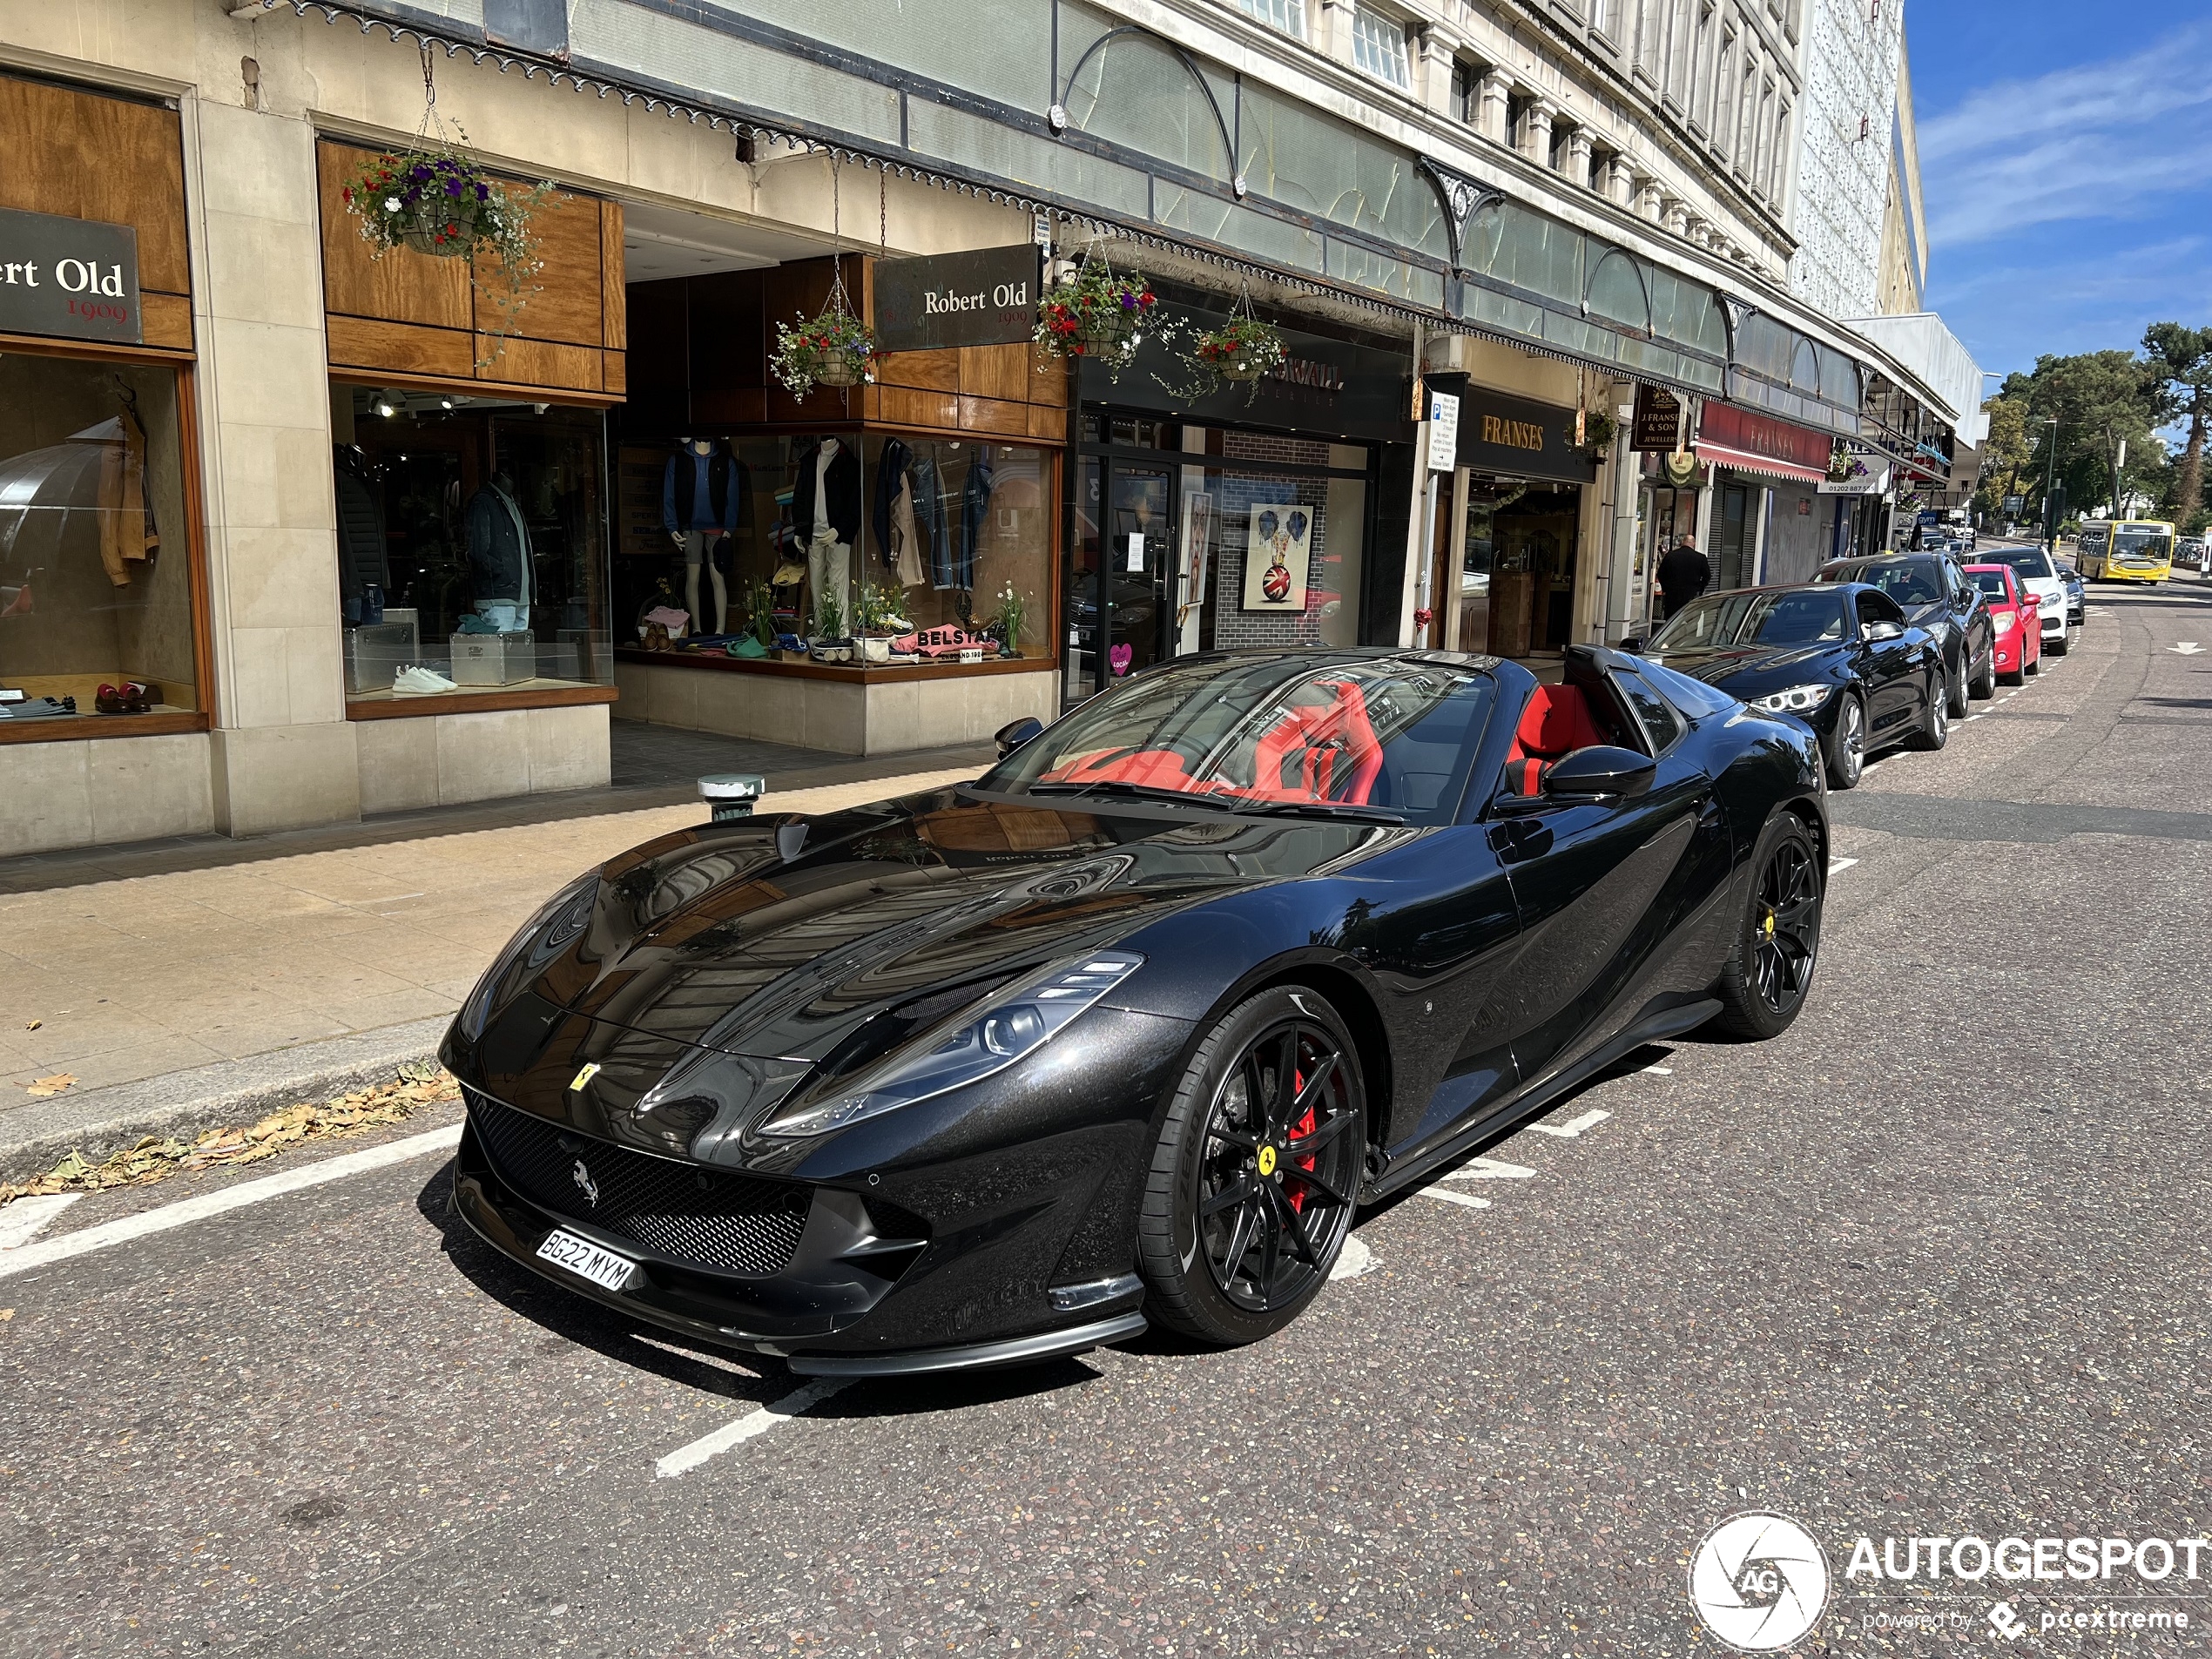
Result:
<point x="2040" y="577"/>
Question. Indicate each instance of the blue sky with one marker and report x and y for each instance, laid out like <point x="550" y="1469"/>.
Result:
<point x="2066" y="156"/>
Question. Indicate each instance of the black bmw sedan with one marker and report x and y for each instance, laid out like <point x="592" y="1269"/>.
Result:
<point x="1841" y="656"/>
<point x="1125" y="1030"/>
<point x="1935" y="595"/>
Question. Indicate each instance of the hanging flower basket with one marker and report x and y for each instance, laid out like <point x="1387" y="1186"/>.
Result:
<point x="1096" y="311"/>
<point x="435" y="200"/>
<point x="1599" y="429"/>
<point x="1242" y="349"/>
<point x="834" y="349"/>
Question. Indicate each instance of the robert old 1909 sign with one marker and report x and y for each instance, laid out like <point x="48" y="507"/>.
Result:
<point x="988" y="297"/>
<point x="76" y="278"/>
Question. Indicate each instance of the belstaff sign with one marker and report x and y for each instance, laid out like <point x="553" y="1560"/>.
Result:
<point x="74" y="277"/>
<point x="988" y="297"/>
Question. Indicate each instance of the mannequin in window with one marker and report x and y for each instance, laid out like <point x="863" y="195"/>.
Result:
<point x="825" y="507"/>
<point x="702" y="494"/>
<point x="364" y="571"/>
<point x="499" y="554"/>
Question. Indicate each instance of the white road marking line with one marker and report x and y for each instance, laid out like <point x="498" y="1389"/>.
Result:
<point x="1572" y="1127"/>
<point x="21" y="1221"/>
<point x="752" y="1426"/>
<point x="1355" y="1260"/>
<point x="126" y="1228"/>
<point x="1836" y="865"/>
<point x="1490" y="1170"/>
<point x="1659" y="1071"/>
<point x="1451" y="1196"/>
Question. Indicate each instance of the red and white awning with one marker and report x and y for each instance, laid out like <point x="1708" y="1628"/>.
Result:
<point x="1722" y="454"/>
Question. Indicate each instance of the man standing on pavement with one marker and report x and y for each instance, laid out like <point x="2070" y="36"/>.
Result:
<point x="1683" y="574"/>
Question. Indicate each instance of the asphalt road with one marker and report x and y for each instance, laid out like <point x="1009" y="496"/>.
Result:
<point x="1934" y="1263"/>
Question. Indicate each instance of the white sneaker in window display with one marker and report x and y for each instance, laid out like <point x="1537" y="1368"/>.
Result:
<point x="414" y="680"/>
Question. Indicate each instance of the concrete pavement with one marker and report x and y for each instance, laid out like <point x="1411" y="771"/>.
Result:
<point x="1930" y="1264"/>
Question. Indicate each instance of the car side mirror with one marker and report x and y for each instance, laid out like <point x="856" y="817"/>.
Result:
<point x="1013" y="736"/>
<point x="1633" y="644"/>
<point x="1877" y="632"/>
<point x="1603" y="770"/>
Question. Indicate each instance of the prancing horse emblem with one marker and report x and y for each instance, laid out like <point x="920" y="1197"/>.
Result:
<point x="582" y="1178"/>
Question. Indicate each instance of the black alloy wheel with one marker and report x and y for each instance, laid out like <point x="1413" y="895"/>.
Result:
<point x="1847" y="744"/>
<point x="1935" y="727"/>
<point x="1256" y="1171"/>
<point x="1764" y="983"/>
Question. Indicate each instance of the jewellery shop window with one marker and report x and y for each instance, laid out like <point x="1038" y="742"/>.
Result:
<point x="851" y="550"/>
<point x="471" y="545"/>
<point x="96" y="600"/>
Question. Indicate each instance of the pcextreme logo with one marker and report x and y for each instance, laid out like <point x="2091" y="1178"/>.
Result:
<point x="1759" y="1581"/>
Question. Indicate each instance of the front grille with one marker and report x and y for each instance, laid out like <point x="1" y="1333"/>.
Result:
<point x="680" y="1210"/>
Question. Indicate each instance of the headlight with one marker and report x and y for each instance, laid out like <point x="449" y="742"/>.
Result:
<point x="1012" y="1026"/>
<point x="562" y="918"/>
<point x="2006" y="622"/>
<point x="1798" y="699"/>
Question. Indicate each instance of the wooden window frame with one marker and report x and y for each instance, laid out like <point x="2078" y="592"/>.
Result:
<point x="105" y="727"/>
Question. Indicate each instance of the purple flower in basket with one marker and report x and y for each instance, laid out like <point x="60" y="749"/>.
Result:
<point x="453" y="187"/>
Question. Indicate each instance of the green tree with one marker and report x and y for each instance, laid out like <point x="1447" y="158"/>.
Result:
<point x="2182" y="357"/>
<point x="2005" y="455"/>
<point x="2099" y="400"/>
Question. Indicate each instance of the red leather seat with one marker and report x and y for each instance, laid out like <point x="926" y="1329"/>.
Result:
<point x="1324" y="751"/>
<point x="1557" y="722"/>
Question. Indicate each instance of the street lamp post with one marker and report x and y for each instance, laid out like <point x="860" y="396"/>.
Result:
<point x="2050" y="469"/>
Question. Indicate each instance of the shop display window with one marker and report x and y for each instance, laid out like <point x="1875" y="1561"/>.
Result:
<point x="1218" y="539"/>
<point x="96" y="586"/>
<point x="844" y="550"/>
<point x="472" y="545"/>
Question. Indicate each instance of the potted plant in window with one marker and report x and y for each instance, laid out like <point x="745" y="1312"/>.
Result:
<point x="1007" y="623"/>
<point x="434" y="199"/>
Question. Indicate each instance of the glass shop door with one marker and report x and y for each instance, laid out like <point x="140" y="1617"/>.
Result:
<point x="1121" y="562"/>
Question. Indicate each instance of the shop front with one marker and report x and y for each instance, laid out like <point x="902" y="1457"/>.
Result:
<point x="1522" y="489"/>
<point x="1208" y="515"/>
<point x="1767" y="526"/>
<point x="867" y="569"/>
<point x="469" y="472"/>
<point x="105" y="670"/>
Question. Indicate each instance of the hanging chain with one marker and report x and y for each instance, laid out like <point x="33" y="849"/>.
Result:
<point x="883" y="212"/>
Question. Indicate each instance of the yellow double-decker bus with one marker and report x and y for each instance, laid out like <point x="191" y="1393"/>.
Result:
<point x="2127" y="549"/>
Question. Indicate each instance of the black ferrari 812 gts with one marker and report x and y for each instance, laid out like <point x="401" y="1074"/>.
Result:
<point x="1126" y="1030"/>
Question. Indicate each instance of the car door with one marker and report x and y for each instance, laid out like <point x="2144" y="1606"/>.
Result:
<point x="1970" y="616"/>
<point x="1599" y="885"/>
<point x="1886" y="658"/>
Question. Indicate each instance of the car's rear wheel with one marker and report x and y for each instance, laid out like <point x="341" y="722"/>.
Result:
<point x="1935" y="726"/>
<point x="1778" y="939"/>
<point x="1847" y="744"/>
<point x="1257" y="1170"/>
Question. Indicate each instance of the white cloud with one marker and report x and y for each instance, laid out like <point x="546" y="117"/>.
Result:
<point x="2112" y="140"/>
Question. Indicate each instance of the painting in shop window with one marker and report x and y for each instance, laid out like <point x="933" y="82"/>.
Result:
<point x="1279" y="544"/>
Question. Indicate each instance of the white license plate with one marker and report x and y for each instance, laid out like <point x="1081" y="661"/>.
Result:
<point x="584" y="1258"/>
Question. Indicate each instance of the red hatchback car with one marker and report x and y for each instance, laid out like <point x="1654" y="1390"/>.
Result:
<point x="2017" y="616"/>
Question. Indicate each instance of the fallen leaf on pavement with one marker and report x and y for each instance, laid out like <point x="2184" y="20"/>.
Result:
<point x="6" y="1314"/>
<point x="155" y="1157"/>
<point x="34" y="1025"/>
<point x="53" y="1085"/>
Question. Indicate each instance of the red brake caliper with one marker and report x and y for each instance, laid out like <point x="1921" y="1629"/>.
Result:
<point x="1299" y="1130"/>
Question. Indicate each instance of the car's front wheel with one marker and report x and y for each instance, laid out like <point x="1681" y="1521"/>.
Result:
<point x="1955" y="686"/>
<point x="1257" y="1170"/>
<point x="1847" y="744"/>
<point x="1777" y="938"/>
